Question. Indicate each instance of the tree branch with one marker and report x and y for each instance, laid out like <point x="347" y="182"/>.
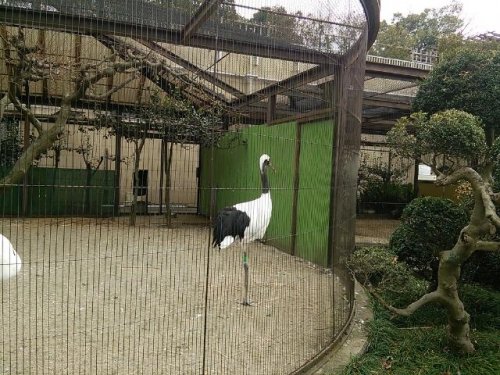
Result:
<point x="495" y="198"/>
<point x="112" y="91"/>
<point x="464" y="173"/>
<point x="4" y="102"/>
<point x="487" y="246"/>
<point x="28" y="113"/>
<point x="411" y="308"/>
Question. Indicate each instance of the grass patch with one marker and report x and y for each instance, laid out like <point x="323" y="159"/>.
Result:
<point x="418" y="345"/>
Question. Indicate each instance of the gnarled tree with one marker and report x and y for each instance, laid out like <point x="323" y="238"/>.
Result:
<point x="453" y="143"/>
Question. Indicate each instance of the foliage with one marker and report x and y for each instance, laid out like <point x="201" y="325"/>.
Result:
<point x="379" y="268"/>
<point x="454" y="134"/>
<point x="405" y="137"/>
<point x="483" y="268"/>
<point x="10" y="143"/>
<point x="428" y="225"/>
<point x="468" y="81"/>
<point x="403" y="348"/>
<point x="454" y="45"/>
<point x="414" y="345"/>
<point x="448" y="139"/>
<point x="380" y="187"/>
<point x="421" y="31"/>
<point x="283" y="26"/>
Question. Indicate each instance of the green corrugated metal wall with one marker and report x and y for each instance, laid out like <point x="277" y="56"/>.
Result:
<point x="61" y="192"/>
<point x="236" y="177"/>
<point x="314" y="191"/>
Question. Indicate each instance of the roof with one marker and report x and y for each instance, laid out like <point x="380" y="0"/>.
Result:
<point x="235" y="62"/>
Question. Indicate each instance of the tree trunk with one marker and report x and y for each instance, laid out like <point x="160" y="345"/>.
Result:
<point x="37" y="148"/>
<point x="458" y="318"/>
<point x="168" y="179"/>
<point x="483" y="222"/>
<point x="135" y="189"/>
<point x="88" y="179"/>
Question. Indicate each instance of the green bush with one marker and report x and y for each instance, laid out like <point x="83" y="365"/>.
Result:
<point x="483" y="267"/>
<point x="379" y="267"/>
<point x="386" y="197"/>
<point x="428" y="225"/>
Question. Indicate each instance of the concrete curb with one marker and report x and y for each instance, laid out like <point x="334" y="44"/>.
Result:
<point x="354" y="342"/>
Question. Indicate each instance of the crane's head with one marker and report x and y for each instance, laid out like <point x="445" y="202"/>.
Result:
<point x="265" y="162"/>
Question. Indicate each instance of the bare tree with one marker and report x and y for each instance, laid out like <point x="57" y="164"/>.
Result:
<point x="171" y="118"/>
<point x="25" y="64"/>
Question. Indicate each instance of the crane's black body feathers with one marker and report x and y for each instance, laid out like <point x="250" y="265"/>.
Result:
<point x="229" y="222"/>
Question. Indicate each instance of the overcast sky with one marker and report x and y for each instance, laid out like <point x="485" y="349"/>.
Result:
<point x="480" y="15"/>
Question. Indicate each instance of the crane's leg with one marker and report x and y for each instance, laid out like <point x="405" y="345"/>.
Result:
<point x="246" y="301"/>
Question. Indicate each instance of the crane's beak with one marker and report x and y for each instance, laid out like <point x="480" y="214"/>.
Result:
<point x="271" y="166"/>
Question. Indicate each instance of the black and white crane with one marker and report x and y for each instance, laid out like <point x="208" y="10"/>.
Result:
<point x="246" y="221"/>
<point x="10" y="261"/>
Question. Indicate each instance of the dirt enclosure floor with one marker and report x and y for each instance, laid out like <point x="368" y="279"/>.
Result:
<point x="100" y="297"/>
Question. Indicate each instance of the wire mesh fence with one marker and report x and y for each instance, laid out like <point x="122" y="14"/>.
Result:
<point x="178" y="179"/>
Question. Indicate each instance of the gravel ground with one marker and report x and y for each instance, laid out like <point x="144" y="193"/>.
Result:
<point x="99" y="297"/>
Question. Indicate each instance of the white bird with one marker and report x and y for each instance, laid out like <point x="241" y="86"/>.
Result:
<point x="247" y="221"/>
<point x="10" y="261"/>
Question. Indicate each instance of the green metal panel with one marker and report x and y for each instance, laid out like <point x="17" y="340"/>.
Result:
<point x="10" y="198"/>
<point x="314" y="191"/>
<point x="61" y="192"/>
<point x="236" y="179"/>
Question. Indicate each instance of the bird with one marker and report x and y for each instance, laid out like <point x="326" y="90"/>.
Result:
<point x="10" y="261"/>
<point x="246" y="221"/>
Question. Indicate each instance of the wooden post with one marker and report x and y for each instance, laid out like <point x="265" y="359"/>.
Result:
<point x="162" y="161"/>
<point x="271" y="108"/>
<point x="335" y="97"/>
<point x="415" y="178"/>
<point x="118" y="156"/>
<point x="296" y="185"/>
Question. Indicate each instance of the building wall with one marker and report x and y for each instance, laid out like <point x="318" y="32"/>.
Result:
<point x="184" y="163"/>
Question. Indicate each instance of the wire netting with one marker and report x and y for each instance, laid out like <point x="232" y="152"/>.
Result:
<point x="126" y="127"/>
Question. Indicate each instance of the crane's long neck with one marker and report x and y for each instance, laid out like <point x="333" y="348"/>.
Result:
<point x="265" y="181"/>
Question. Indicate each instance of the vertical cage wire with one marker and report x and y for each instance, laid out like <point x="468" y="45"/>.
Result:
<point x="126" y="127"/>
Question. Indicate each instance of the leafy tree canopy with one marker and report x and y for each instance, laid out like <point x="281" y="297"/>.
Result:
<point x="469" y="81"/>
<point x="447" y="139"/>
<point x="417" y="31"/>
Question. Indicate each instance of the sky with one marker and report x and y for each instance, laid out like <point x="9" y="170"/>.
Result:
<point x="480" y="15"/>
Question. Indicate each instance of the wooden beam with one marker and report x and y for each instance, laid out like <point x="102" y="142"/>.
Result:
<point x="191" y="67"/>
<point x="89" y="25"/>
<point x="296" y="186"/>
<point x="302" y="78"/>
<point x="205" y="10"/>
<point x="271" y="108"/>
<point x="396" y="103"/>
<point x="396" y="72"/>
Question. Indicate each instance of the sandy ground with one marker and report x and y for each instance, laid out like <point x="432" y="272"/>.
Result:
<point x="371" y="231"/>
<point x="97" y="297"/>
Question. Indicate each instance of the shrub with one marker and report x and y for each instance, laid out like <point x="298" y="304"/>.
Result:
<point x="483" y="267"/>
<point x="379" y="267"/>
<point x="428" y="225"/>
